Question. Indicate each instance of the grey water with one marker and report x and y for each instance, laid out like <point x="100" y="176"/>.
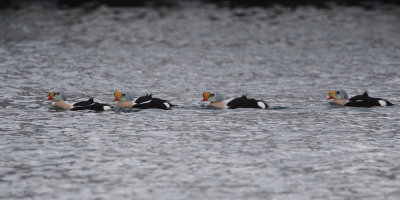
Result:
<point x="301" y="148"/>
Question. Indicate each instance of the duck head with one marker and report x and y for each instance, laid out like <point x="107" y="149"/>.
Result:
<point x="57" y="96"/>
<point x="340" y="94"/>
<point x="124" y="98"/>
<point x="51" y="95"/>
<point x="213" y="97"/>
<point x="117" y="95"/>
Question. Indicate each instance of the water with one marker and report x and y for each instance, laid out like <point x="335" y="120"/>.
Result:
<point x="302" y="148"/>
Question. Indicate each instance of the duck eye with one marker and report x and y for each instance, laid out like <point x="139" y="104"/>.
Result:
<point x="57" y="93"/>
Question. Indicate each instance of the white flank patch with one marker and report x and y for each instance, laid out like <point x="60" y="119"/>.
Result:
<point x="261" y="105"/>
<point x="106" y="107"/>
<point x="146" y="102"/>
<point x="382" y="102"/>
<point x="167" y="105"/>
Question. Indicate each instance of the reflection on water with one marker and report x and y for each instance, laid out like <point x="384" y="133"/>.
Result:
<point x="300" y="148"/>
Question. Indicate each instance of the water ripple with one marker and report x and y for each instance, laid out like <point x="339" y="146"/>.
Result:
<point x="299" y="148"/>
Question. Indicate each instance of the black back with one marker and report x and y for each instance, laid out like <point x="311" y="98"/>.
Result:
<point x="84" y="103"/>
<point x="244" y="102"/>
<point x="143" y="99"/>
<point x="89" y="105"/>
<point x="360" y="97"/>
<point x="154" y="103"/>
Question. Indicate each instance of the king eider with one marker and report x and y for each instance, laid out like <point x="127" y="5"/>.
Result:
<point x="60" y="103"/>
<point x="340" y="97"/>
<point x="143" y="102"/>
<point x="217" y="100"/>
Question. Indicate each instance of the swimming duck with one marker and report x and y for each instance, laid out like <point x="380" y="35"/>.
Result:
<point x="60" y="103"/>
<point x="143" y="102"/>
<point x="217" y="100"/>
<point x="123" y="102"/>
<point x="364" y="100"/>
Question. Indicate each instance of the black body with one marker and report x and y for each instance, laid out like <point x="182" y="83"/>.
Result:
<point x="244" y="102"/>
<point x="148" y="102"/>
<point x="143" y="99"/>
<point x="365" y="101"/>
<point x="360" y="97"/>
<point x="84" y="103"/>
<point x="89" y="105"/>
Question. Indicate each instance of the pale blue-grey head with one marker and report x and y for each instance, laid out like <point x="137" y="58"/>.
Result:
<point x="213" y="96"/>
<point x="126" y="97"/>
<point x="342" y="94"/>
<point x="60" y="96"/>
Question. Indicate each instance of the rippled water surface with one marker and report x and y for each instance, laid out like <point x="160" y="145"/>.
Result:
<point x="301" y="148"/>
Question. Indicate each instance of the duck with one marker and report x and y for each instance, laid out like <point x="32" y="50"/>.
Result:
<point x="143" y="102"/>
<point x="60" y="103"/>
<point x="217" y="101"/>
<point x="341" y="97"/>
